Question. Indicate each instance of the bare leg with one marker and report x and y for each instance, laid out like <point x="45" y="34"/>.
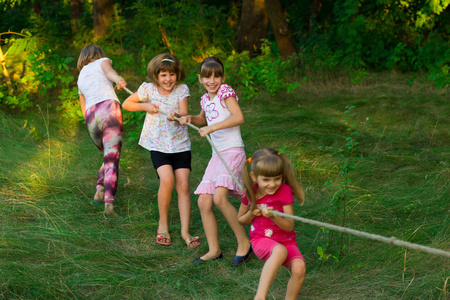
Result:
<point x="184" y="202"/>
<point x="99" y="196"/>
<point x="166" y="184"/>
<point x="270" y="271"/>
<point x="230" y="214"/>
<point x="298" y="270"/>
<point x="205" y="204"/>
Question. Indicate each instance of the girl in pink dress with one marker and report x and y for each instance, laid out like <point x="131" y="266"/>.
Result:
<point x="271" y="185"/>
<point x="222" y="115"/>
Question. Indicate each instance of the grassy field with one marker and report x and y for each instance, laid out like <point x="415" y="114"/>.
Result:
<point x="54" y="244"/>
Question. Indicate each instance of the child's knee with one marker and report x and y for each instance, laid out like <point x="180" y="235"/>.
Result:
<point x="280" y="252"/>
<point x="183" y="187"/>
<point x="298" y="268"/>
<point x="204" y="203"/>
<point x="220" y="201"/>
<point x="167" y="183"/>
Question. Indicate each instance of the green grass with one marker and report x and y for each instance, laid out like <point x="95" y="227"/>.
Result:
<point x="55" y="245"/>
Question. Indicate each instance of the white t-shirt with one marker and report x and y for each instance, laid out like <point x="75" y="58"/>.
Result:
<point x="94" y="85"/>
<point x="216" y="111"/>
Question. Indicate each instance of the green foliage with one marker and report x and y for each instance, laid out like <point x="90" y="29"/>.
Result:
<point x="377" y="35"/>
<point x="187" y="29"/>
<point x="134" y="122"/>
<point x="429" y="13"/>
<point x="46" y="70"/>
<point x="70" y="105"/>
<point x="266" y="72"/>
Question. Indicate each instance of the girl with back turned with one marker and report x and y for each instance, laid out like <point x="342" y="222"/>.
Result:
<point x="101" y="109"/>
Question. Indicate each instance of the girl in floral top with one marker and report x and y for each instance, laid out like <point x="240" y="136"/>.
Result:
<point x="167" y="141"/>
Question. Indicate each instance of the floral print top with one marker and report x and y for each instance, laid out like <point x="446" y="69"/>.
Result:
<point x="158" y="133"/>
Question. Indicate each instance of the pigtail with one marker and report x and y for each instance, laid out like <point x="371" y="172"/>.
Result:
<point x="291" y="180"/>
<point x="248" y="183"/>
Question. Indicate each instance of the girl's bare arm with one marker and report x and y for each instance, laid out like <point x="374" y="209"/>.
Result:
<point x="132" y="103"/>
<point x="198" y="120"/>
<point x="245" y="215"/>
<point x="112" y="75"/>
<point x="83" y="105"/>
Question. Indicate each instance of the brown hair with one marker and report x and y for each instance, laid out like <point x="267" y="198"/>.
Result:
<point x="270" y="163"/>
<point x="211" y="65"/>
<point x="164" y="62"/>
<point x="89" y="54"/>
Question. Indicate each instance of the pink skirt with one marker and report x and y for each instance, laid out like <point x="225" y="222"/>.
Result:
<point x="216" y="173"/>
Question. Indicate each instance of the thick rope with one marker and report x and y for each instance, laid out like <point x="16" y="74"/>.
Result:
<point x="209" y="140"/>
<point x="391" y="241"/>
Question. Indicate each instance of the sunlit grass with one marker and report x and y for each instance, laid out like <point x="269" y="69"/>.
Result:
<point x="55" y="244"/>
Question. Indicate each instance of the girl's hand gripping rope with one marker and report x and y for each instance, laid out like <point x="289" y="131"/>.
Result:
<point x="120" y="83"/>
<point x="152" y="108"/>
<point x="267" y="212"/>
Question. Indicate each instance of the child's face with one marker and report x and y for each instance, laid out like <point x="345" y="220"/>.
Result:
<point x="267" y="185"/>
<point x="167" y="80"/>
<point x="211" y="83"/>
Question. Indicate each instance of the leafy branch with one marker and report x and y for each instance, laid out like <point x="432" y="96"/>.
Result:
<point x="3" y="58"/>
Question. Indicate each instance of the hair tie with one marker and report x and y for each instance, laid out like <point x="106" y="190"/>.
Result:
<point x="168" y="59"/>
<point x="249" y="160"/>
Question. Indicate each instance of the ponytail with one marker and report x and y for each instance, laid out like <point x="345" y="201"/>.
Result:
<point x="248" y="183"/>
<point x="290" y="179"/>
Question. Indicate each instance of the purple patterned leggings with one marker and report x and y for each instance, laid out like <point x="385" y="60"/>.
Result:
<point x="105" y="127"/>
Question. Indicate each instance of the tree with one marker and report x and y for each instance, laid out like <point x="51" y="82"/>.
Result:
<point x="283" y="34"/>
<point x="313" y="13"/>
<point x="75" y="13"/>
<point x="103" y="11"/>
<point x="252" y="26"/>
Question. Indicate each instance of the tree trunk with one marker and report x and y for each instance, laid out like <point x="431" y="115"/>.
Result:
<point x="283" y="34"/>
<point x="76" y="7"/>
<point x="252" y="26"/>
<point x="103" y="10"/>
<point x="313" y="14"/>
<point x="37" y="8"/>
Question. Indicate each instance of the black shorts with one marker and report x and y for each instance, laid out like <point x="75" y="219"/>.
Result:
<point x="179" y="160"/>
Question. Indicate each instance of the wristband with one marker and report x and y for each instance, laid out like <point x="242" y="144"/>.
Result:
<point x="119" y="78"/>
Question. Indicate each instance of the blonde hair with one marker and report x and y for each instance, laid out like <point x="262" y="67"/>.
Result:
<point x="211" y="65"/>
<point x="270" y="163"/>
<point x="164" y="62"/>
<point x="89" y="54"/>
